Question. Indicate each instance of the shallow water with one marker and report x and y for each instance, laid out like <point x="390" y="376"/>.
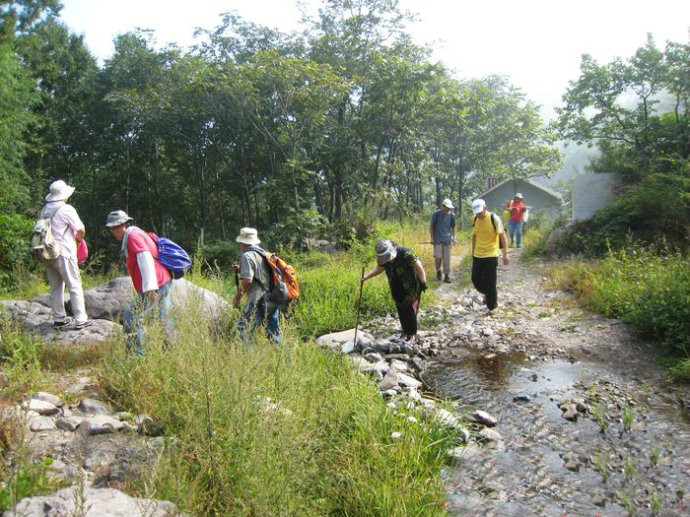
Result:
<point x="526" y="475"/>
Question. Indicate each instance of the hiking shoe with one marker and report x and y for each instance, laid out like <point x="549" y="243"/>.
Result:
<point x="446" y="279"/>
<point x="82" y="325"/>
<point x="59" y="325"/>
<point x="438" y="275"/>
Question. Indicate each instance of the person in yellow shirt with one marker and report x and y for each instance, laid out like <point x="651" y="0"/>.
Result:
<point x="488" y="240"/>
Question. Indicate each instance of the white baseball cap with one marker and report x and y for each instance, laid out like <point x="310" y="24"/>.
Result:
<point x="478" y="206"/>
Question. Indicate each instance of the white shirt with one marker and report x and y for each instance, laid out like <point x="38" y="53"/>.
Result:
<point x="65" y="224"/>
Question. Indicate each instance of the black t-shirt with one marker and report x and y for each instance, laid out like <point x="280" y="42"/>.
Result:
<point x="402" y="277"/>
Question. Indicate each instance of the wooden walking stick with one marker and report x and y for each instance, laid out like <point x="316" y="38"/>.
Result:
<point x="359" y="304"/>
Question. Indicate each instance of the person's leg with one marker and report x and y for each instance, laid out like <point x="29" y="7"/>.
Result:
<point x="249" y="321"/>
<point x="165" y="311"/>
<point x="438" y="258"/>
<point x="408" y="319"/>
<point x="518" y="234"/>
<point x="57" y="293"/>
<point x="273" y="323"/>
<point x="512" y="232"/>
<point x="133" y="324"/>
<point x="447" y="248"/>
<point x="69" y="269"/>
<point x="489" y="274"/>
<point x="477" y="274"/>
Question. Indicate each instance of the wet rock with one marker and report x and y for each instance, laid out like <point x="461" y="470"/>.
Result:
<point x="47" y="397"/>
<point x="348" y="347"/>
<point x="41" y="407"/>
<point x="373" y="357"/>
<point x="390" y="381"/>
<point x="101" y="424"/>
<point x="69" y="423"/>
<point x="521" y="398"/>
<point x="93" y="406"/>
<point x="378" y="369"/>
<point x="533" y="377"/>
<point x="572" y="465"/>
<point x="91" y="502"/>
<point x="408" y="381"/>
<point x="490" y="435"/>
<point x="400" y="366"/>
<point x="599" y="500"/>
<point x="570" y="413"/>
<point x="484" y="418"/>
<point x="41" y="423"/>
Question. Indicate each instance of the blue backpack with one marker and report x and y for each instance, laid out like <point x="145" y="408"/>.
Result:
<point x="172" y="256"/>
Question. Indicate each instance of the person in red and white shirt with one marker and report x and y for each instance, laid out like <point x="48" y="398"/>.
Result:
<point x="152" y="281"/>
<point x="68" y="231"/>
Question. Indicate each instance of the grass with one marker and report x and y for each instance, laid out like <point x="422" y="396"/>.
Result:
<point x="643" y="287"/>
<point x="290" y="430"/>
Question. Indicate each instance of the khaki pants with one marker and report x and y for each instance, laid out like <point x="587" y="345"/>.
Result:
<point x="442" y="255"/>
<point x="61" y="271"/>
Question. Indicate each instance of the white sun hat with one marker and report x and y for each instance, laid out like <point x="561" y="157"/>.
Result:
<point x="248" y="236"/>
<point x="478" y="206"/>
<point x="447" y="203"/>
<point x="59" y="191"/>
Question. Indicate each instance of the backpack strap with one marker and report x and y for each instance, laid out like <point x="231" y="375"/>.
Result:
<point x="493" y="221"/>
<point x="262" y="253"/>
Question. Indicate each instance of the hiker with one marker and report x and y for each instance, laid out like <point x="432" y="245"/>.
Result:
<point x="68" y="231"/>
<point x="442" y="235"/>
<point x="406" y="278"/>
<point x="488" y="239"/>
<point x="517" y="210"/>
<point x="152" y="281"/>
<point x="255" y="280"/>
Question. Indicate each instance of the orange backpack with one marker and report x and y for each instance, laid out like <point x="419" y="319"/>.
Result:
<point x="284" y="288"/>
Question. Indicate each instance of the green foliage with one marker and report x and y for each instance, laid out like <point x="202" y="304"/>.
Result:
<point x="15" y="259"/>
<point x="20" y="360"/>
<point x="29" y="480"/>
<point x="289" y="430"/>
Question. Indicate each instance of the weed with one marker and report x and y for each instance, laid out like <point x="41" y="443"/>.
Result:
<point x="654" y="455"/>
<point x="599" y="412"/>
<point x="630" y="468"/>
<point x="602" y="464"/>
<point x="656" y="503"/>
<point x="628" y="501"/>
<point x="628" y="417"/>
<point x="28" y="479"/>
<point x="21" y="368"/>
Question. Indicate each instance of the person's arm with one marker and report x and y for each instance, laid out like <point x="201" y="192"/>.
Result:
<point x="149" y="279"/>
<point x="80" y="234"/>
<point x="474" y="242"/>
<point x="371" y="274"/>
<point x="504" y="243"/>
<point x="421" y="274"/>
<point x="247" y="272"/>
<point x="452" y="230"/>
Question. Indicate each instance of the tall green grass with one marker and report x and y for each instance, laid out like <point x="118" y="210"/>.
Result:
<point x="282" y="431"/>
<point x="642" y="287"/>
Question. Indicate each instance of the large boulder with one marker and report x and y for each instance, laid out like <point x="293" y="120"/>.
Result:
<point x="91" y="502"/>
<point x="37" y="320"/>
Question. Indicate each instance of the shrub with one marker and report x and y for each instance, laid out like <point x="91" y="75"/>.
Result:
<point x="15" y="259"/>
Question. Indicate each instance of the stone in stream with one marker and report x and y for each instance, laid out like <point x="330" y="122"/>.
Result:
<point x="570" y="413"/>
<point x="335" y="340"/>
<point x="390" y="381"/>
<point x="41" y="423"/>
<point x="572" y="465"/>
<point x="68" y="423"/>
<point x="484" y="418"/>
<point x="490" y="435"/>
<point x="91" y="502"/>
<point x="41" y="407"/>
<point x="408" y="381"/>
<point x="47" y="397"/>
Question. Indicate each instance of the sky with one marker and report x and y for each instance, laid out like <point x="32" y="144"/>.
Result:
<point x="536" y="43"/>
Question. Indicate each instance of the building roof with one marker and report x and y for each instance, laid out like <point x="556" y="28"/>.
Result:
<point x="532" y="183"/>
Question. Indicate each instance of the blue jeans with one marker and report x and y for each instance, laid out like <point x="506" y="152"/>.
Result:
<point x="134" y="316"/>
<point x="516" y="233"/>
<point x="255" y="315"/>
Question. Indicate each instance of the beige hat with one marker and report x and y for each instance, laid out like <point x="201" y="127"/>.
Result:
<point x="385" y="252"/>
<point x="478" y="206"/>
<point x="248" y="236"/>
<point x="117" y="218"/>
<point x="447" y="203"/>
<point x="518" y="196"/>
<point x="59" y="191"/>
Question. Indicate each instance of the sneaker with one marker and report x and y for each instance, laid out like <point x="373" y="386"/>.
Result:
<point x="446" y="279"/>
<point x="438" y="275"/>
<point x="83" y="324"/>
<point x="58" y="325"/>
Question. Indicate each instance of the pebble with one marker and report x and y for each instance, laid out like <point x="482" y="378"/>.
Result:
<point x="484" y="418"/>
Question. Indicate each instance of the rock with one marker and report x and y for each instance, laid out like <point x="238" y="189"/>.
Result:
<point x="69" y="423"/>
<point x="387" y="394"/>
<point x="484" y="418"/>
<point x="378" y="370"/>
<point x="521" y="398"/>
<point x="373" y="357"/>
<point x="399" y="365"/>
<point x="383" y="346"/>
<point x="94" y="407"/>
<point x="599" y="500"/>
<point x="348" y="347"/>
<point x="37" y="319"/>
<point x="572" y="465"/>
<point x="47" y="397"/>
<point x="41" y="407"/>
<point x="408" y="381"/>
<point x="390" y="381"/>
<point x="464" y="453"/>
<point x="101" y="424"/>
<point x="446" y="418"/>
<point x="41" y="423"/>
<point x="91" y="502"/>
<point x="336" y="340"/>
<point x="570" y="412"/>
<point x="490" y="435"/>
<point x="123" y="415"/>
<point x="321" y="246"/>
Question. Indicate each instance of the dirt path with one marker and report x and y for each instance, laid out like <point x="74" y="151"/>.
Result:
<point x="626" y="448"/>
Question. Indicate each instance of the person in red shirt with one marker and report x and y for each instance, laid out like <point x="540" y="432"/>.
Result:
<point x="152" y="281"/>
<point x="517" y="210"/>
